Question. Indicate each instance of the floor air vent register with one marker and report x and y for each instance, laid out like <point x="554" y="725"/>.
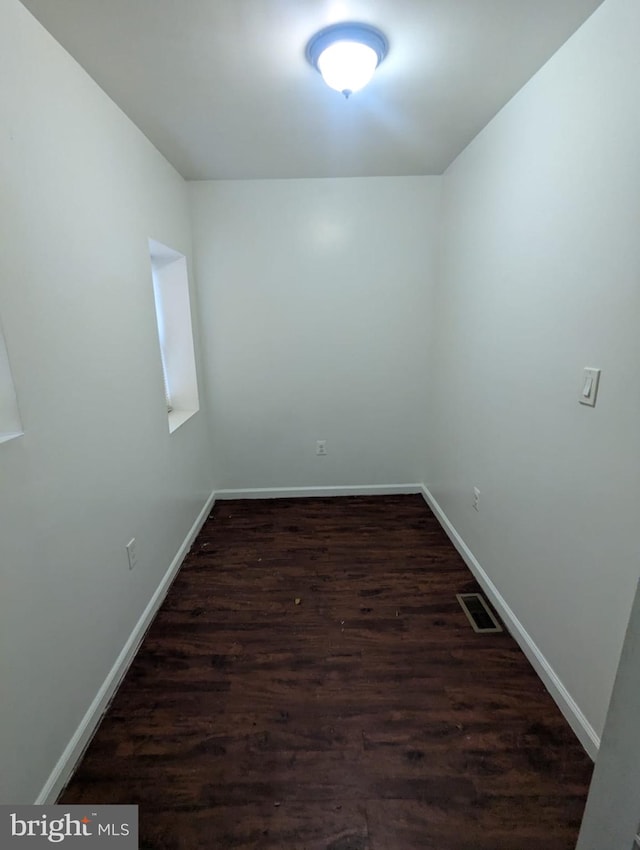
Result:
<point x="478" y="613"/>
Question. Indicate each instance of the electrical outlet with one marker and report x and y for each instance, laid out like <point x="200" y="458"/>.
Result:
<point x="476" y="499"/>
<point x="132" y="554"/>
<point x="321" y="447"/>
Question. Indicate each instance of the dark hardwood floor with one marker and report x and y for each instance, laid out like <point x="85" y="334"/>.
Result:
<point x="367" y="717"/>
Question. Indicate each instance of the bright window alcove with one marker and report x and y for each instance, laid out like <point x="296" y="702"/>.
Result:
<point x="10" y="424"/>
<point x="175" y="334"/>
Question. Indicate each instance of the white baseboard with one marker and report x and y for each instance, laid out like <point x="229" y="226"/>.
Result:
<point x="75" y="748"/>
<point x="584" y="731"/>
<point x="306" y="492"/>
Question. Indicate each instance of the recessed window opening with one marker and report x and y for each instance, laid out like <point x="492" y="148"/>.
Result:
<point x="175" y="333"/>
<point x="10" y="423"/>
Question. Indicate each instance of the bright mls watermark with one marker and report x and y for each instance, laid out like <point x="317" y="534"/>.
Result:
<point x="113" y="827"/>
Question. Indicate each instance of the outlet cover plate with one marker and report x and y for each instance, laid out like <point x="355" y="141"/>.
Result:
<point x="131" y="553"/>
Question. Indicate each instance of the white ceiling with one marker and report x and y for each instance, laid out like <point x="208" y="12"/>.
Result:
<point x="223" y="90"/>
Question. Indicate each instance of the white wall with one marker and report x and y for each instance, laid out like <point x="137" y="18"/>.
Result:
<point x="315" y="300"/>
<point x="82" y="191"/>
<point x="540" y="278"/>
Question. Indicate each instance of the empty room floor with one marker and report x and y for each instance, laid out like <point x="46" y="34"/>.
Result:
<point x="311" y="683"/>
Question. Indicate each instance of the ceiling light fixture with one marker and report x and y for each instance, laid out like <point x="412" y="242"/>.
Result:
<point x="347" y="55"/>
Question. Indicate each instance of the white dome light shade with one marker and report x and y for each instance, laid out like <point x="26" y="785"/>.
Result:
<point x="347" y="66"/>
<point x="346" y="55"/>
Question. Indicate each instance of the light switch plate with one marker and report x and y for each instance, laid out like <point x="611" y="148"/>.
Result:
<point x="589" y="387"/>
